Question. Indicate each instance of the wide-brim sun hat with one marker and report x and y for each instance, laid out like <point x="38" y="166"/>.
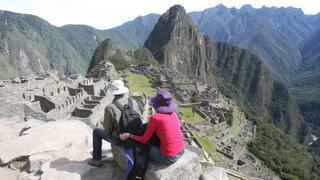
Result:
<point x="162" y="102"/>
<point x="117" y="88"/>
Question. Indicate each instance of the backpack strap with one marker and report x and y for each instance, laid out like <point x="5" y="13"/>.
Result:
<point x="119" y="106"/>
<point x="130" y="103"/>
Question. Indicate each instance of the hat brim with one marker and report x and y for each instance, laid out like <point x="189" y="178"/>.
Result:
<point x="119" y="91"/>
<point x="167" y="109"/>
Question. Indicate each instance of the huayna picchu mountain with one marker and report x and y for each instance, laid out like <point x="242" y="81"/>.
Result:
<point x="177" y="43"/>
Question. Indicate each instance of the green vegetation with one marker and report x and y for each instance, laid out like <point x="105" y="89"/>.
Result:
<point x="281" y="153"/>
<point x="212" y="132"/>
<point x="237" y="118"/>
<point x="188" y="116"/>
<point x="140" y="84"/>
<point x="195" y="98"/>
<point x="156" y="82"/>
<point x="207" y="144"/>
<point x="229" y="116"/>
<point x="210" y="148"/>
<point x="119" y="62"/>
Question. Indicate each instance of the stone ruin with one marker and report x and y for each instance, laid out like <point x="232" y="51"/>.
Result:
<point x="141" y="68"/>
<point x="212" y="113"/>
<point x="103" y="70"/>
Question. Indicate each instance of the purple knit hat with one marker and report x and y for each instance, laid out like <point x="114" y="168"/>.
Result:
<point x="162" y="102"/>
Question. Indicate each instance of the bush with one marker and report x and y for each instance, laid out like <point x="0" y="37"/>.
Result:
<point x="281" y="153"/>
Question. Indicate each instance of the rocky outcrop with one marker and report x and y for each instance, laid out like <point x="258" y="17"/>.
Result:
<point x="217" y="173"/>
<point x="60" y="150"/>
<point x="187" y="167"/>
<point x="108" y="51"/>
<point x="52" y="136"/>
<point x="53" y="150"/>
<point x="176" y="43"/>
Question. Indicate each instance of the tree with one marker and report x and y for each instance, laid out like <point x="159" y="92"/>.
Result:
<point x="194" y="99"/>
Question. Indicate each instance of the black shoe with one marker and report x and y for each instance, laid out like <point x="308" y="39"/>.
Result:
<point x="93" y="162"/>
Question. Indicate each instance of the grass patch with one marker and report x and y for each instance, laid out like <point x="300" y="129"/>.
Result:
<point x="210" y="148"/>
<point x="212" y="132"/>
<point x="140" y="84"/>
<point x="237" y="117"/>
<point x="207" y="144"/>
<point x="188" y="116"/>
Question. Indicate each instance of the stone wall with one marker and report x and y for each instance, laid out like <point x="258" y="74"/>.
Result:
<point x="29" y="112"/>
<point x="83" y="113"/>
<point x="92" y="87"/>
<point x="45" y="104"/>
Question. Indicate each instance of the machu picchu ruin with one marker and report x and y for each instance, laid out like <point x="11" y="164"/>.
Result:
<point x="217" y="94"/>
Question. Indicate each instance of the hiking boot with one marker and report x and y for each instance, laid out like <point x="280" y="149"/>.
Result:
<point x="93" y="162"/>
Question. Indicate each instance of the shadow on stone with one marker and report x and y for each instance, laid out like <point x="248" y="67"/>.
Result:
<point x="109" y="170"/>
<point x="186" y="168"/>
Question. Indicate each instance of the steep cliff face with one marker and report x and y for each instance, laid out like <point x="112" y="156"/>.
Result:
<point x="242" y="75"/>
<point x="176" y="43"/>
<point x="306" y="84"/>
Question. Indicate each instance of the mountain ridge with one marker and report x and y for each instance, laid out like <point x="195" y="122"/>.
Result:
<point x="177" y="43"/>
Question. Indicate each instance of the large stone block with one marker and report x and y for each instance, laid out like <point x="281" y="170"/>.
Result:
<point x="216" y="173"/>
<point x="52" y="136"/>
<point x="186" y="168"/>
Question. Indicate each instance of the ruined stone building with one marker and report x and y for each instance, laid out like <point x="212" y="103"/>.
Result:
<point x="103" y="70"/>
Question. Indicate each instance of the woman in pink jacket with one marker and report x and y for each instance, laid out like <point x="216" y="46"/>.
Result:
<point x="166" y="124"/>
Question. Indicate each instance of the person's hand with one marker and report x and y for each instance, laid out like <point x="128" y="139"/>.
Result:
<point x="124" y="136"/>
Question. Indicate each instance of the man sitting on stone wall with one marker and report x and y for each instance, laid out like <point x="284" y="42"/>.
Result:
<point x="111" y="121"/>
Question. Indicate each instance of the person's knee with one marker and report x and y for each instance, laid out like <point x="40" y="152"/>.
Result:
<point x="95" y="132"/>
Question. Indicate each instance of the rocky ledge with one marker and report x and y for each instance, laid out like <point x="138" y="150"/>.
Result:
<point x="187" y="167"/>
<point x="33" y="150"/>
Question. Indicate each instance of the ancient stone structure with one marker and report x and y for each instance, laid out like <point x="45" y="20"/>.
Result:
<point x="103" y="70"/>
<point x="141" y="68"/>
<point x="93" y="86"/>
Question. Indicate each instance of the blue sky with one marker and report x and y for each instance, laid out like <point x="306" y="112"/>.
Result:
<point x="104" y="14"/>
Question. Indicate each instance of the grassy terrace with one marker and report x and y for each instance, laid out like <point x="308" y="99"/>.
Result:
<point x="207" y="144"/>
<point x="140" y="84"/>
<point x="188" y="115"/>
<point x="210" y="148"/>
<point x="237" y="117"/>
<point x="212" y="132"/>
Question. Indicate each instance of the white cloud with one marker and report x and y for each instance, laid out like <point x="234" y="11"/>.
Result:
<point x="105" y="14"/>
